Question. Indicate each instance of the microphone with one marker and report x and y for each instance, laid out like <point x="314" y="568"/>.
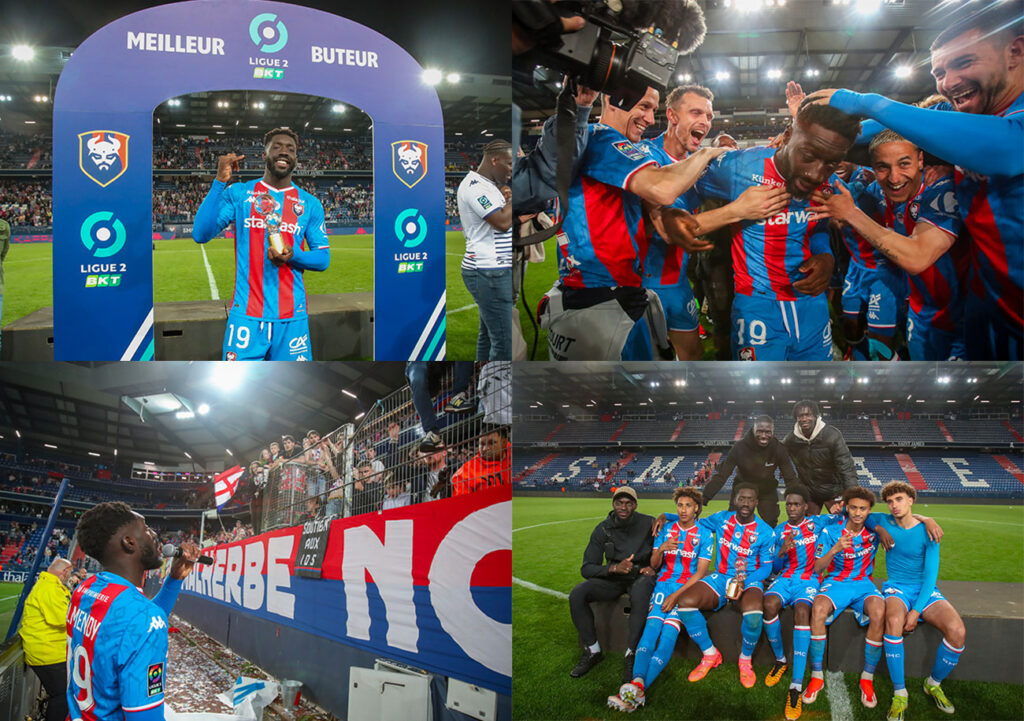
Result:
<point x="170" y="551"/>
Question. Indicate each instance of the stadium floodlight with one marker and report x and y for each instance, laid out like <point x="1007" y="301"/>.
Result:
<point x="258" y="106"/>
<point x="93" y="453"/>
<point x="863" y="380"/>
<point x="811" y="72"/>
<point x="174" y="102"/>
<point x="179" y="125"/>
<point x="17" y="433"/>
<point x="747" y="6"/>
<point x="316" y="128"/>
<point x="721" y="75"/>
<point x="453" y="77"/>
<point x="5" y="98"/>
<point x="774" y="74"/>
<point x="360" y="415"/>
<point x="684" y="77"/>
<point x="942" y="380"/>
<point x="432" y="76"/>
<point x="754" y="381"/>
<point x="349" y="393"/>
<point x="829" y="380"/>
<point x="867" y="7"/>
<point x="203" y="409"/>
<point x="229" y="452"/>
<point x="337" y="108"/>
<point x="23" y="53"/>
<point x="903" y="71"/>
<point x="184" y="415"/>
<point x="227" y="376"/>
<point x="188" y="456"/>
<point x="50" y="445"/>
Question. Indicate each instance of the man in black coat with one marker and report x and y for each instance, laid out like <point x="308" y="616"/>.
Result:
<point x="821" y="457"/>
<point x="616" y="561"/>
<point x="756" y="458"/>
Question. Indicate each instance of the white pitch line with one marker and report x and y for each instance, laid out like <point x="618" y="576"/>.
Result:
<point x="541" y="589"/>
<point x="460" y="309"/>
<point x="838" y="699"/>
<point x="215" y="295"/>
<point x="975" y="520"/>
<point x="554" y="523"/>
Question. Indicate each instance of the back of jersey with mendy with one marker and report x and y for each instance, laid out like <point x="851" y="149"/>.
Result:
<point x="117" y="650"/>
<point x="264" y="291"/>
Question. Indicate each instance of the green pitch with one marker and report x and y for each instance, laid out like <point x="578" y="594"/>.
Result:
<point x="9" y="593"/>
<point x="179" y="273"/>
<point x="549" y="535"/>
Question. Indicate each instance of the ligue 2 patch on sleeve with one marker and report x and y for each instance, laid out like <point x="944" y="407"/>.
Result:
<point x="155" y="679"/>
<point x="484" y="202"/>
<point x="629" y="150"/>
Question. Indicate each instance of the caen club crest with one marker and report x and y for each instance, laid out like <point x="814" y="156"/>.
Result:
<point x="103" y="155"/>
<point x="915" y="210"/>
<point x="298" y="208"/>
<point x="409" y="161"/>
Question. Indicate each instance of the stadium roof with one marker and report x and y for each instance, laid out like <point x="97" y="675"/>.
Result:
<point x="846" y="47"/>
<point x="919" y="387"/>
<point x="79" y="407"/>
<point x="479" y="101"/>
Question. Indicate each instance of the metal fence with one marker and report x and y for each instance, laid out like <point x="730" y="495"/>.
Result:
<point x="443" y="434"/>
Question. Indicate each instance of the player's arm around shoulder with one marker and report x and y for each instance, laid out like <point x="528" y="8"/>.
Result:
<point x="663" y="184"/>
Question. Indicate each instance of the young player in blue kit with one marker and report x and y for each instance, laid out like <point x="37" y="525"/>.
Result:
<point x="782" y="265"/>
<point x="912" y="563"/>
<point x="269" y="317"/>
<point x="117" y="638"/>
<point x="681" y="557"/>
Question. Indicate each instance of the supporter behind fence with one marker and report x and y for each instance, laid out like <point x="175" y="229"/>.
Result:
<point x="381" y="464"/>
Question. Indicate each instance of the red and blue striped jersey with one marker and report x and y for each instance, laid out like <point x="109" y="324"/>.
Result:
<point x="597" y="247"/>
<point x="117" y="650"/>
<point x="992" y="211"/>
<point x="937" y="294"/>
<point x="765" y="253"/>
<point x="694" y="543"/>
<point x="664" y="264"/>
<point x="750" y="543"/>
<point x="853" y="563"/>
<point x="263" y="290"/>
<point x="799" y="560"/>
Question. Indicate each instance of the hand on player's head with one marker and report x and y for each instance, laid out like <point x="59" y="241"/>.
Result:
<point x="225" y="164"/>
<point x="820" y="97"/>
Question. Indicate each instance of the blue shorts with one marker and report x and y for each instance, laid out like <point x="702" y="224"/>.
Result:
<point x="638" y="343"/>
<point x="932" y="344"/>
<point x="849" y="594"/>
<point x="793" y="588"/>
<point x="672" y="617"/>
<point x="680" y="306"/>
<point x="767" y="329"/>
<point x="253" y="339"/>
<point x="882" y="292"/>
<point x="908" y="594"/>
<point x="717" y="581"/>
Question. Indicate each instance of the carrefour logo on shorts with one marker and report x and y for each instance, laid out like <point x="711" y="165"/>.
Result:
<point x="98" y="230"/>
<point x="268" y="33"/>
<point x="410" y="227"/>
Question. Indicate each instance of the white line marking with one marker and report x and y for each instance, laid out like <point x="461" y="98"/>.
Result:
<point x="430" y="325"/>
<point x="554" y="523"/>
<point x="214" y="294"/>
<point x="462" y="308"/>
<point x="140" y="334"/>
<point x="975" y="520"/>
<point x="838" y="699"/>
<point x="541" y="589"/>
<point x="9" y="598"/>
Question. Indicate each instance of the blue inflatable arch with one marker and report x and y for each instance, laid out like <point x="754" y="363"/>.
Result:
<point x="102" y="190"/>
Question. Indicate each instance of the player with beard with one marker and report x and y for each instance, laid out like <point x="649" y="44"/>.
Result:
<point x="901" y="220"/>
<point x="117" y="638"/>
<point x="822" y="459"/>
<point x="978" y="66"/>
<point x="689" y="113"/>
<point x="756" y="459"/>
<point x="592" y="311"/>
<point x="268" y="318"/>
<point x="782" y="265"/>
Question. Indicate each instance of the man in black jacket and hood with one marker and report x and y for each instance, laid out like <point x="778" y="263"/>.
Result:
<point x="616" y="561"/>
<point x="821" y="457"/>
<point x="756" y="458"/>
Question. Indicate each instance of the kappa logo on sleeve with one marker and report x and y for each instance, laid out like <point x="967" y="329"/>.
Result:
<point x="155" y="680"/>
<point x="155" y="624"/>
<point x="629" y="150"/>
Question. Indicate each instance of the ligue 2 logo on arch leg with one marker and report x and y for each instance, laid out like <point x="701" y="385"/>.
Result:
<point x="268" y="33"/>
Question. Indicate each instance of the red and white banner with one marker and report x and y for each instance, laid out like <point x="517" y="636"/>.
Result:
<point x="225" y="484"/>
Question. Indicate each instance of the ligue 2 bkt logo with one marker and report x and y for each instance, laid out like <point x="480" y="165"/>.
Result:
<point x="409" y="161"/>
<point x="103" y="155"/>
<point x="98" y="230"/>
<point x="410" y="227"/>
<point x="268" y="33"/>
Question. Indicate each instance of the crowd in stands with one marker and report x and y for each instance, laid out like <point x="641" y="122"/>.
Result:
<point x="22" y="151"/>
<point x="18" y="545"/>
<point x="26" y="203"/>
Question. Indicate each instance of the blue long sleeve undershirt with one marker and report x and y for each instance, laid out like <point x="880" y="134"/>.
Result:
<point x="982" y="143"/>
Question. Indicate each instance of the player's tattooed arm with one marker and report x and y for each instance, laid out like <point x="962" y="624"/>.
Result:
<point x="677" y="227"/>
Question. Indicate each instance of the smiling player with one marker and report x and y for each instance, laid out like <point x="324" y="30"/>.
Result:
<point x="268" y="319"/>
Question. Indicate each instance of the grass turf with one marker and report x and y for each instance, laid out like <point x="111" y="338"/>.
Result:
<point x="548" y="539"/>
<point x="179" y="273"/>
<point x="9" y="593"/>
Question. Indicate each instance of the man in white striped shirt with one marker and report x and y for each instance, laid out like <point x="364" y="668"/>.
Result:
<point x="485" y="209"/>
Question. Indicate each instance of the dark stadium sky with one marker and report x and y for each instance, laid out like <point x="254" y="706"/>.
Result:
<point x="464" y="35"/>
